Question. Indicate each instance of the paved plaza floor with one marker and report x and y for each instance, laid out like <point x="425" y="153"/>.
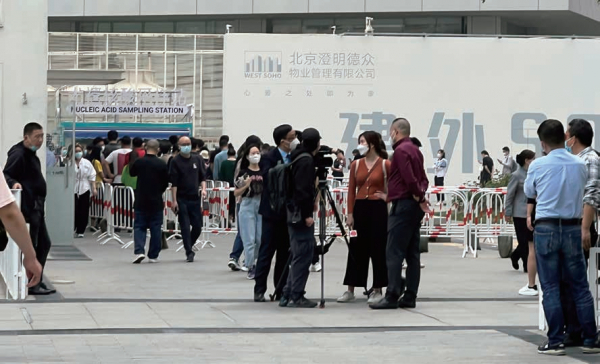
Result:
<point x="108" y="310"/>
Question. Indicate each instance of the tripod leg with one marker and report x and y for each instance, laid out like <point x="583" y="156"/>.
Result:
<point x="282" y="280"/>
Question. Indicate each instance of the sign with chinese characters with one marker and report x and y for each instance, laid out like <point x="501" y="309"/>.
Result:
<point x="120" y="102"/>
<point x="461" y="95"/>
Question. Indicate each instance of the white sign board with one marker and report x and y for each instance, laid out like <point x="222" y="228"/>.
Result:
<point x="462" y="95"/>
<point x="127" y="102"/>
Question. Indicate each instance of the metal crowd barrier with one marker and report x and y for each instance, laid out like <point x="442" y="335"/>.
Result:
<point x="489" y="219"/>
<point x="11" y="266"/>
<point x="97" y="206"/>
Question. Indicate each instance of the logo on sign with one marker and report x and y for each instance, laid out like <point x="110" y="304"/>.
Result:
<point x="262" y="65"/>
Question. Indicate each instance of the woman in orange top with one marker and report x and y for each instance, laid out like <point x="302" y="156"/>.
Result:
<point x="368" y="215"/>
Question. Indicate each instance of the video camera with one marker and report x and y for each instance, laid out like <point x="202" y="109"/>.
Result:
<point x="323" y="162"/>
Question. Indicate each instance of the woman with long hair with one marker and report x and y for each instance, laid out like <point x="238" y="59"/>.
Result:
<point x="249" y="186"/>
<point x="85" y="184"/>
<point x="516" y="211"/>
<point x="368" y="215"/>
<point x="440" y="168"/>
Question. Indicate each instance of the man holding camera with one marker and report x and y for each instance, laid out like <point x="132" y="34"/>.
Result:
<point x="300" y="220"/>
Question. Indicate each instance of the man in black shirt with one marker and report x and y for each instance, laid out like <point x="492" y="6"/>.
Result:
<point x="488" y="168"/>
<point x="187" y="174"/>
<point x="152" y="181"/>
<point x="112" y="145"/>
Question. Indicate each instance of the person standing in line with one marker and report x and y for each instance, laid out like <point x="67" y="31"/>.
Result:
<point x="338" y="166"/>
<point x="440" y="167"/>
<point x="112" y="137"/>
<point x="579" y="140"/>
<point x="516" y="210"/>
<point x="487" y="164"/>
<point x="23" y="172"/>
<point x="507" y="163"/>
<point x="187" y="175"/>
<point x="275" y="236"/>
<point x="226" y="172"/>
<point x="407" y="185"/>
<point x="249" y="187"/>
<point x="301" y="225"/>
<point x="15" y="226"/>
<point x="558" y="182"/>
<point x="220" y="156"/>
<point x="152" y="181"/>
<point x="85" y="184"/>
<point x="368" y="215"/>
<point x="116" y="160"/>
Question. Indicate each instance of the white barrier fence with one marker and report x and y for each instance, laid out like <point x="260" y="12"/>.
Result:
<point x="11" y="266"/>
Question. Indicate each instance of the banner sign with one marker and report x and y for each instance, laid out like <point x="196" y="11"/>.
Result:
<point x="123" y="102"/>
<point x="462" y="95"/>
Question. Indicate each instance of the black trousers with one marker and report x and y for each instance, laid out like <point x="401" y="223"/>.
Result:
<point x="190" y="214"/>
<point x="370" y="223"/>
<point x="439" y="182"/>
<point x="524" y="236"/>
<point x="275" y="239"/>
<point x="302" y="247"/>
<point x="404" y="224"/>
<point x="82" y="212"/>
<point x="39" y="235"/>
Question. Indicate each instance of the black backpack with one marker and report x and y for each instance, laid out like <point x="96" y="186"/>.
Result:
<point x="280" y="185"/>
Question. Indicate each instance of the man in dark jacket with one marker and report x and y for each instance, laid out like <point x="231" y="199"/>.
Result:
<point x="275" y="235"/>
<point x="23" y="171"/>
<point x="300" y="221"/>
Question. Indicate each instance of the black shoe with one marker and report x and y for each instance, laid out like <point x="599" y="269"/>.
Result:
<point x="43" y="285"/>
<point x="302" y="303"/>
<point x="283" y="302"/>
<point x="190" y="257"/>
<point x="386" y="303"/>
<point x="573" y="340"/>
<point x="515" y="262"/>
<point x="251" y="273"/>
<point x="556" y="350"/>
<point x="407" y="303"/>
<point x="592" y="349"/>
<point x="40" y="291"/>
<point x="259" y="297"/>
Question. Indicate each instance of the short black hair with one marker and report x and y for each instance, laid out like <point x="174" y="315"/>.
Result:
<point x="126" y="140"/>
<point x="582" y="130"/>
<point x="552" y="132"/>
<point x="355" y="151"/>
<point x="200" y="143"/>
<point x="112" y="135"/>
<point x="31" y="127"/>
<point x="137" y="142"/>
<point x="280" y="133"/>
<point x="505" y="149"/>
<point x="484" y="152"/>
<point x="97" y="140"/>
<point x="340" y="151"/>
<point x="194" y="143"/>
<point x="223" y="141"/>
<point x="173" y="139"/>
<point x="266" y="147"/>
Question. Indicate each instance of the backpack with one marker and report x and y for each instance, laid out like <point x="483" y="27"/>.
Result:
<point x="280" y="185"/>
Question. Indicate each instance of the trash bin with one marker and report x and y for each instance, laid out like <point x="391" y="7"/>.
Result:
<point x="505" y="245"/>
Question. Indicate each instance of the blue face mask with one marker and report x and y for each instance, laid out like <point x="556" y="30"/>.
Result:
<point x="78" y="155"/>
<point x="569" y="149"/>
<point x="33" y="148"/>
<point x="186" y="149"/>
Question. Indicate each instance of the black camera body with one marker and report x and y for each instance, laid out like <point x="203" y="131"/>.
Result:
<point x="323" y="162"/>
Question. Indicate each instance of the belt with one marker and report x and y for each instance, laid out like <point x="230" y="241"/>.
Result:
<point x="559" y="221"/>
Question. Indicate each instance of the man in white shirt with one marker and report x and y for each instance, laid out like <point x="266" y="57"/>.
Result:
<point x="508" y="164"/>
<point x="117" y="159"/>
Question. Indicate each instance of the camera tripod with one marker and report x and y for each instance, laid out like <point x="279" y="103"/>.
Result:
<point x="324" y="196"/>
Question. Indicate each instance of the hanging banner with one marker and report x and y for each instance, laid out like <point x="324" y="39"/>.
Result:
<point x="139" y="110"/>
<point x="128" y="102"/>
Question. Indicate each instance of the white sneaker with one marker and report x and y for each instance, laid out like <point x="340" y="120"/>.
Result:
<point x="404" y="266"/>
<point x="374" y="297"/>
<point x="316" y="267"/>
<point x="153" y="260"/>
<point x="138" y="258"/>
<point x="526" y="291"/>
<point x="346" y="297"/>
<point x="244" y="269"/>
<point x="79" y="236"/>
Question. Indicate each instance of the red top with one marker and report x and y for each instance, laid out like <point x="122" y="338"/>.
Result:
<point x="407" y="177"/>
<point x="363" y="185"/>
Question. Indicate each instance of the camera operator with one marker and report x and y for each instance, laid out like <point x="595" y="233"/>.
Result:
<point x="300" y="221"/>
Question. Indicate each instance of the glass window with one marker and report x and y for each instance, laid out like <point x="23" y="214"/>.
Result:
<point x="250" y="26"/>
<point x="127" y="27"/>
<point x="452" y="25"/>
<point x="104" y="27"/>
<point x="219" y="26"/>
<point x="61" y="26"/>
<point x="317" y="26"/>
<point x="87" y="26"/>
<point x="158" y="27"/>
<point x="393" y="25"/>
<point x="287" y="26"/>
<point x="351" y="25"/>
<point x="189" y="27"/>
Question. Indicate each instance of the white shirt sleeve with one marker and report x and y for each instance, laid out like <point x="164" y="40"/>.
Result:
<point x="6" y="196"/>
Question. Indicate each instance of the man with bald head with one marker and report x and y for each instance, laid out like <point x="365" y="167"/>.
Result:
<point x="407" y="185"/>
<point x="152" y="181"/>
<point x="186" y="173"/>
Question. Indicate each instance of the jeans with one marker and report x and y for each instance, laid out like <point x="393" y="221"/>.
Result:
<point x="275" y="238"/>
<point x="145" y="220"/>
<point x="238" y="246"/>
<point x="404" y="225"/>
<point x="302" y="247"/>
<point x="250" y="222"/>
<point x="559" y="256"/>
<point x="190" y="213"/>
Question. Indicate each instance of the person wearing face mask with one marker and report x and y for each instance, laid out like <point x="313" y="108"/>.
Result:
<point x="338" y="166"/>
<point x="85" y="178"/>
<point x="440" y="167"/>
<point x="23" y="172"/>
<point x="249" y="186"/>
<point x="508" y="164"/>
<point x="275" y="238"/>
<point x="186" y="173"/>
<point x="367" y="214"/>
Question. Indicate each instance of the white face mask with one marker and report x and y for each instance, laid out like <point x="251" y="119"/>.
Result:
<point x="362" y="149"/>
<point x="254" y="159"/>
<point x="294" y="144"/>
